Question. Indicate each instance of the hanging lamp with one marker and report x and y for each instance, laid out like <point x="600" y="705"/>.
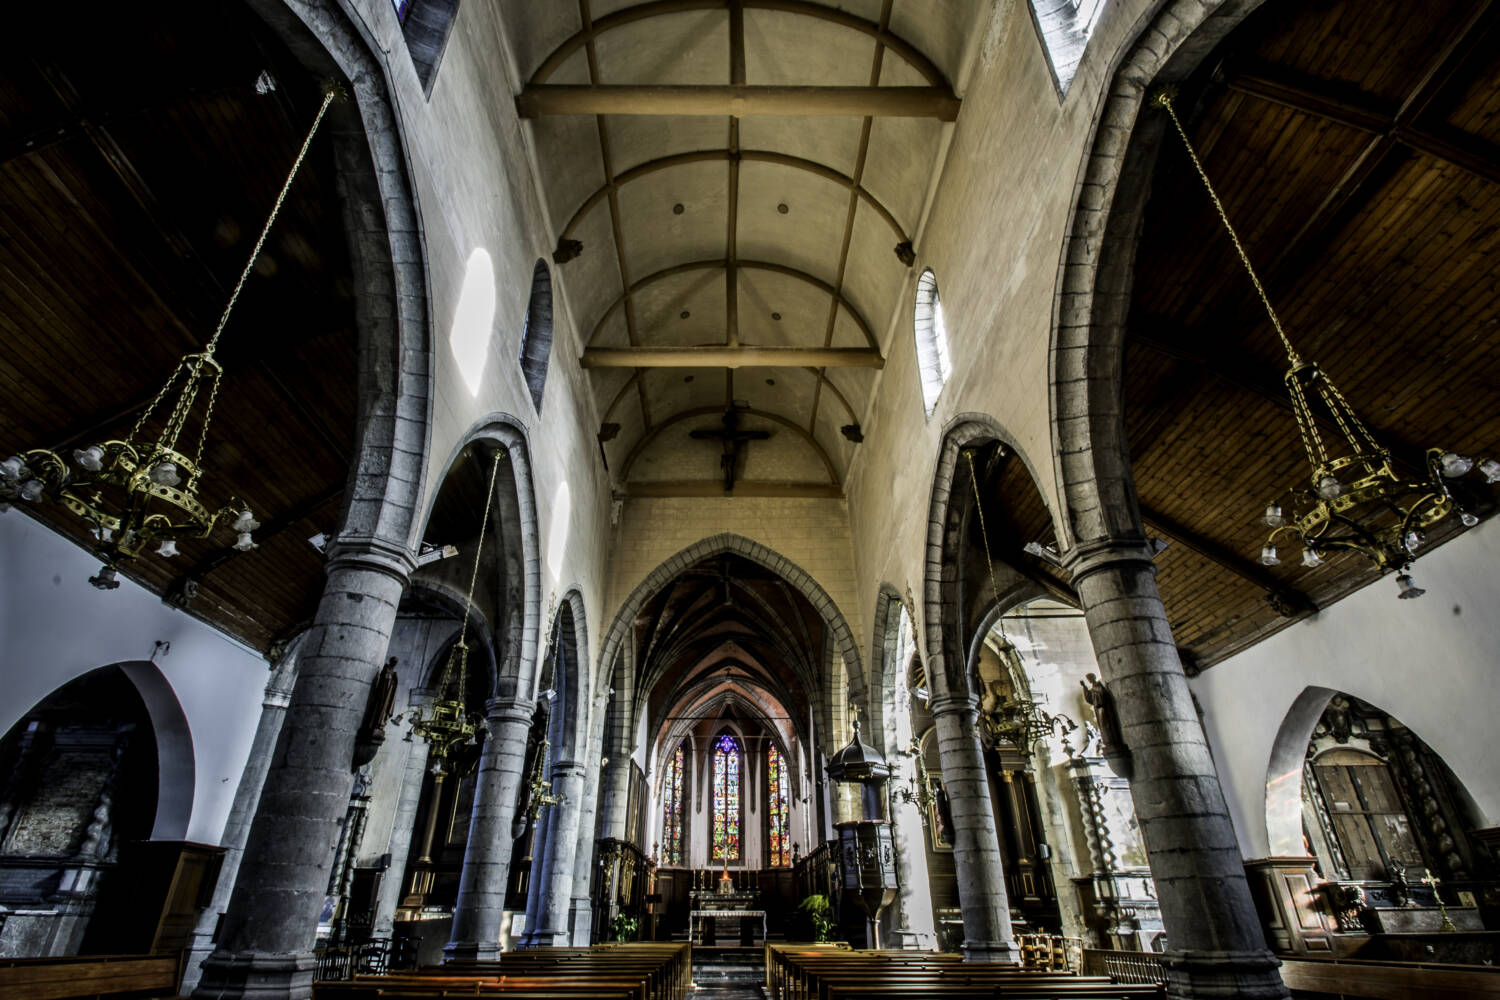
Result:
<point x="144" y="490"/>
<point x="447" y="725"/>
<point x="1355" y="499"/>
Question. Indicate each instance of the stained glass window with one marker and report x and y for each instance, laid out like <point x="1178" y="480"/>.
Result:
<point x="671" y="798"/>
<point x="776" y="783"/>
<point x="726" y="828"/>
<point x="402" y="6"/>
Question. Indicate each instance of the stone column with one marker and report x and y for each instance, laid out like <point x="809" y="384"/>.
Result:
<point x="555" y="895"/>
<point x="976" y="845"/>
<point x="1217" y="946"/>
<point x="616" y="783"/>
<point x="265" y="945"/>
<point x="237" y="827"/>
<point x="481" y="885"/>
<point x="392" y="884"/>
<point x="911" y="923"/>
<point x="583" y="857"/>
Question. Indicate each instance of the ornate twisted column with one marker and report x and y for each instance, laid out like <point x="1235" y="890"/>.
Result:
<point x="555" y="891"/>
<point x="1218" y="948"/>
<point x="265" y="944"/>
<point x="481" y="884"/>
<point x="976" y="844"/>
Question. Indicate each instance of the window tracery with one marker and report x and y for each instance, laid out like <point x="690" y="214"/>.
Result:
<point x="725" y="835"/>
<point x="779" y="841"/>
<point x="671" y="824"/>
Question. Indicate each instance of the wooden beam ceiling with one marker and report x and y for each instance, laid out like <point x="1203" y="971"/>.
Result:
<point x="742" y="356"/>
<point x="738" y="101"/>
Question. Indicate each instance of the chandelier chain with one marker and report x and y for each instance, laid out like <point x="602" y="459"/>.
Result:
<point x="463" y="629"/>
<point x="1164" y="98"/>
<point x="984" y="536"/>
<point x="213" y="341"/>
<point x="213" y="396"/>
<point x="140" y="424"/>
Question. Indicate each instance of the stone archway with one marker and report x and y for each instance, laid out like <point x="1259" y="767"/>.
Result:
<point x="1092" y="294"/>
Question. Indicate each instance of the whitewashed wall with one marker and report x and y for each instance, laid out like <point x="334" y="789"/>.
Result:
<point x="1429" y="662"/>
<point x="55" y="627"/>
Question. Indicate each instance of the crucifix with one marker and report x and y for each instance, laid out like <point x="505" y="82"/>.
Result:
<point x="1432" y="882"/>
<point x="731" y="438"/>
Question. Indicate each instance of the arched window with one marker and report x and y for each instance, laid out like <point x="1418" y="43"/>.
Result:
<point x="726" y="820"/>
<point x="671" y="806"/>
<point x="932" y="340"/>
<point x="777" y="815"/>
<point x="426" y="25"/>
<point x="1065" y="26"/>
<point x="536" y="335"/>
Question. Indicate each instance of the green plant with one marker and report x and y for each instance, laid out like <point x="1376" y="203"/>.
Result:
<point x="625" y="927"/>
<point x="813" y="919"/>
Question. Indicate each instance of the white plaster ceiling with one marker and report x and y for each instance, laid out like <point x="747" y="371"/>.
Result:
<point x="796" y="240"/>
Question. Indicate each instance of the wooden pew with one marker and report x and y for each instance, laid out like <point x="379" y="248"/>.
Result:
<point x="804" y="974"/>
<point x="605" y="972"/>
<point x="88" y="975"/>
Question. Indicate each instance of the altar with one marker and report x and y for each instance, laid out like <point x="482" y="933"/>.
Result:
<point x="712" y="920"/>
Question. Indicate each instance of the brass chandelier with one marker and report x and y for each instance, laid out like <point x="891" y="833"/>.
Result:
<point x="144" y="490"/>
<point x="1357" y="499"/>
<point x="448" y="725"/>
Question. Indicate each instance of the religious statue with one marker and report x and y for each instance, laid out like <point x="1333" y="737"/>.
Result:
<point x="378" y="705"/>
<point x="1103" y="704"/>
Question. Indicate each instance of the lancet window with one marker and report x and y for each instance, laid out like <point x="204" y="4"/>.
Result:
<point x="726" y="818"/>
<point x="777" y="813"/>
<point x="671" y="823"/>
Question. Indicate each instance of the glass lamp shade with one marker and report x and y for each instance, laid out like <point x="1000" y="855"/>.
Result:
<point x="1454" y="465"/>
<point x="1491" y="470"/>
<point x="1311" y="559"/>
<point x="1274" y="518"/>
<point x="1468" y="519"/>
<point x="1406" y="590"/>
<point x="167" y="549"/>
<point x="1329" y="488"/>
<point x="1413" y="540"/>
<point x="166" y="474"/>
<point x="245" y="542"/>
<point x="245" y="522"/>
<point x="31" y="490"/>
<point x="1268" y="556"/>
<point x="13" y="468"/>
<point x="90" y="459"/>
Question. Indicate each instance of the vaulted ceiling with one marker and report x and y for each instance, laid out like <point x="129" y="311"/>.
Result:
<point x="1356" y="147"/>
<point x="728" y="628"/>
<point x="739" y="175"/>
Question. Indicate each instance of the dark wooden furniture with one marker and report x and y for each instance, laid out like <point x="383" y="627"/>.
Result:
<point x="89" y="976"/>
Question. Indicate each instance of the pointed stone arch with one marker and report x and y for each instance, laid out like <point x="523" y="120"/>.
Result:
<point x="1091" y="301"/>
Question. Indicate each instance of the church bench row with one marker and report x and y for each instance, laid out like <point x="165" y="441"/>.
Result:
<point x="800" y="973"/>
<point x="88" y="976"/>
<point x="619" y="972"/>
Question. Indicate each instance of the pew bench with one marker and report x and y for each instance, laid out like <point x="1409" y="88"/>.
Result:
<point x="88" y="976"/>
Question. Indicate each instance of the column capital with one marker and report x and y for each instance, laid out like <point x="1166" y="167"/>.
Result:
<point x="502" y="710"/>
<point x="1086" y="558"/>
<point x="371" y="554"/>
<point x="953" y="704"/>
<point x="567" y="768"/>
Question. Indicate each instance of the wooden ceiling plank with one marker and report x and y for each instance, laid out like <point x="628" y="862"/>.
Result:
<point x="1236" y="564"/>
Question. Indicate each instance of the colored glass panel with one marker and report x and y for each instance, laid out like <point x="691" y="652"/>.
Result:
<point x="402" y="7"/>
<point x="780" y="839"/>
<point x="726" y="827"/>
<point x="671" y="824"/>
